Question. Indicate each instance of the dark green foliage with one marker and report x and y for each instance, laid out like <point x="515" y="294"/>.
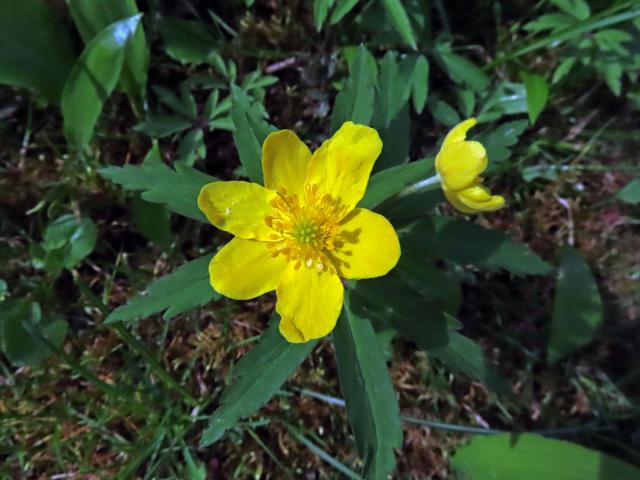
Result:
<point x="255" y="379"/>
<point x="372" y="407"/>
<point x="186" y="288"/>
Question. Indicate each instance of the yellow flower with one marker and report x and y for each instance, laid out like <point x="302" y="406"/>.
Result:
<point x="460" y="163"/>
<point x="301" y="232"/>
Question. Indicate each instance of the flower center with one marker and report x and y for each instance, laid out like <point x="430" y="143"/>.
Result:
<point x="304" y="229"/>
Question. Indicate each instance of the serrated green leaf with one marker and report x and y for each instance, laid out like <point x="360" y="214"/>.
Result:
<point x="400" y="21"/>
<point x="577" y="306"/>
<point x="36" y="49"/>
<point x="191" y="147"/>
<point x="355" y="100"/>
<point x="438" y="237"/>
<point x="537" y="93"/>
<point x="185" y="288"/>
<point x="255" y="379"/>
<point x="532" y="457"/>
<point x="460" y="69"/>
<point x="153" y="221"/>
<point x="464" y="355"/>
<point x="93" y="78"/>
<point x="383" y="185"/>
<point x="630" y="193"/>
<point x="249" y="134"/>
<point x="177" y="189"/>
<point x="342" y="8"/>
<point x="159" y="126"/>
<point x="497" y="143"/>
<point x="372" y="407"/>
<point x="93" y="16"/>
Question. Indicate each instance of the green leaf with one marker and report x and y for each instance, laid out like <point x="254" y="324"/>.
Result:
<point x="35" y="48"/>
<point x="537" y="93"/>
<point x="249" y="134"/>
<point x="355" y="100"/>
<point x="507" y="98"/>
<point x="185" y="288"/>
<point x="400" y="21"/>
<point x="188" y="41"/>
<point x="443" y="112"/>
<point x="563" y="69"/>
<point x="153" y="221"/>
<point x="463" y="355"/>
<point x="551" y="21"/>
<point x="497" y="143"/>
<point x="341" y="9"/>
<point x="460" y="69"/>
<point x="577" y="8"/>
<point x="630" y="193"/>
<point x="255" y="379"/>
<point x="20" y="331"/>
<point x="93" y="78"/>
<point x="613" y="77"/>
<point x="420" y="83"/>
<point x="177" y="189"/>
<point x="66" y="242"/>
<point x="370" y="399"/>
<point x="385" y="184"/>
<point x="93" y="16"/>
<point x="159" y="126"/>
<point x="532" y="457"/>
<point x="437" y="237"/>
<point x="577" y="307"/>
<point x="320" y="11"/>
<point x="191" y="147"/>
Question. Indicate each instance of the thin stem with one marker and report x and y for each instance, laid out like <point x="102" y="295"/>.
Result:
<point x="419" y="187"/>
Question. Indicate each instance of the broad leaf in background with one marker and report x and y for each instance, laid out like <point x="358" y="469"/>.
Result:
<point x="66" y="242"/>
<point x="250" y="131"/>
<point x="188" y="41"/>
<point x="437" y="237"/>
<point x="537" y="93"/>
<point x="35" y="48"/>
<point x="21" y="329"/>
<point x="255" y="379"/>
<point x="442" y="111"/>
<point x="185" y="288"/>
<point x="577" y="8"/>
<point x="93" y="16"/>
<point x="355" y="100"/>
<point x="505" y="98"/>
<point x="177" y="189"/>
<point x="533" y="457"/>
<point x="420" y="83"/>
<point x="423" y="320"/>
<point x="370" y="399"/>
<point x="385" y="184"/>
<point x="342" y="8"/>
<point x="391" y="115"/>
<point x="400" y="21"/>
<point x="577" y="306"/>
<point x="320" y="12"/>
<point x="460" y="69"/>
<point x="93" y="78"/>
<point x="630" y="193"/>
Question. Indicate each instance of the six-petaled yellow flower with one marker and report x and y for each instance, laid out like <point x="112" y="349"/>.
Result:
<point x="301" y="232"/>
<point x="460" y="163"/>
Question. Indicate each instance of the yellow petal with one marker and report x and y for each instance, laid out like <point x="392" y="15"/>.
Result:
<point x="238" y="208"/>
<point x="460" y="163"/>
<point x="479" y="198"/>
<point x="459" y="132"/>
<point x="342" y="165"/>
<point x="285" y="159"/>
<point x="474" y="200"/>
<point x="366" y="246"/>
<point x="309" y="303"/>
<point x="245" y="269"/>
